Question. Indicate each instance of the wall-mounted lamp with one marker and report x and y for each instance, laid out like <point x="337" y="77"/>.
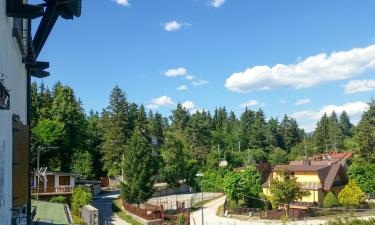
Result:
<point x="4" y="95"/>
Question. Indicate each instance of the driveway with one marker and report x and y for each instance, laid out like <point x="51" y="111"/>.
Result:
<point x="104" y="204"/>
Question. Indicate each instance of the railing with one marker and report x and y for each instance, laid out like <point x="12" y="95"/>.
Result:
<point x="52" y="190"/>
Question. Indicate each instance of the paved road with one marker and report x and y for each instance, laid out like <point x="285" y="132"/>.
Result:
<point x="210" y="217"/>
<point x="104" y="204"/>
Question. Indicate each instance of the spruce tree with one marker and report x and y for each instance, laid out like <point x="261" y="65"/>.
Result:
<point x="345" y="124"/>
<point x="335" y="132"/>
<point x="321" y="134"/>
<point x="140" y="168"/>
<point x="365" y="134"/>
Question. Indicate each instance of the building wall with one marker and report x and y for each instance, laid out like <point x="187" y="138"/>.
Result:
<point x="11" y="66"/>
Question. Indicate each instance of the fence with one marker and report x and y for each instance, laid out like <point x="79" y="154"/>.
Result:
<point x="52" y="190"/>
<point x="148" y="212"/>
<point x="278" y="214"/>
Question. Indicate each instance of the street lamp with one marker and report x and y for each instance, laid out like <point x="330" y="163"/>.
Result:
<point x="201" y="175"/>
<point x="38" y="149"/>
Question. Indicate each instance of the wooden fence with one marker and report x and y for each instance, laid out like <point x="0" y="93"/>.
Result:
<point x="278" y="214"/>
<point x="148" y="212"/>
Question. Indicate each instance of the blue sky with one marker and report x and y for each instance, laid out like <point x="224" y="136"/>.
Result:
<point x="223" y="52"/>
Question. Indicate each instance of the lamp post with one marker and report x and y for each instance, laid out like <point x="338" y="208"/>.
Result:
<point x="38" y="149"/>
<point x="201" y="175"/>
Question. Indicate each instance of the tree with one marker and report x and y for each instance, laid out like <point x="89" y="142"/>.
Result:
<point x="246" y="120"/>
<point x="290" y="132"/>
<point x="321" y="134"/>
<point x="140" y="167"/>
<point x="199" y="136"/>
<point x="273" y="136"/>
<point x="336" y="135"/>
<point x="330" y="201"/>
<point x="351" y="196"/>
<point x="285" y="190"/>
<point x="364" y="175"/>
<point x="174" y="160"/>
<point x="258" y="131"/>
<point x="49" y="131"/>
<point x="83" y="164"/>
<point x="254" y="156"/>
<point x="278" y="156"/>
<point x="116" y="131"/>
<point x="365" y="133"/>
<point x="345" y="124"/>
<point x="243" y="187"/>
<point x="80" y="198"/>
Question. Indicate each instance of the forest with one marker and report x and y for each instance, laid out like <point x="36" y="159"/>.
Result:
<point x="147" y="147"/>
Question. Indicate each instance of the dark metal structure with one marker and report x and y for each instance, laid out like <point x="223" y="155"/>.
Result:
<point x="4" y="96"/>
<point x="30" y="47"/>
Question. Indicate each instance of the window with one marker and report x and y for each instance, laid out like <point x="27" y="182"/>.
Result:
<point x="64" y="180"/>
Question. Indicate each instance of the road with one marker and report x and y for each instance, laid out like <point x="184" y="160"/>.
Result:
<point x="104" y="204"/>
<point x="210" y="217"/>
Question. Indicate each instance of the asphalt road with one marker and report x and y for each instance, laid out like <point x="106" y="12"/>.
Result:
<point x="104" y="204"/>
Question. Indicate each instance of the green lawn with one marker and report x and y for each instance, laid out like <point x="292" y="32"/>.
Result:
<point x="50" y="211"/>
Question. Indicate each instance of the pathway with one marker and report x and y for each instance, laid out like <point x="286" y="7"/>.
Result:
<point x="104" y="204"/>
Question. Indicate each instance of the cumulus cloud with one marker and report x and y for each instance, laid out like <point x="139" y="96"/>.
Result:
<point x="320" y="68"/>
<point x="122" y="2"/>
<point x="161" y="101"/>
<point x="217" y="3"/>
<point x="200" y="82"/>
<point x="308" y="118"/>
<point x="189" y="105"/>
<point x="355" y="86"/>
<point x="190" y="77"/>
<point x="178" y="72"/>
<point x="182" y="88"/>
<point x="174" y="25"/>
<point x="302" y="101"/>
<point x="249" y="103"/>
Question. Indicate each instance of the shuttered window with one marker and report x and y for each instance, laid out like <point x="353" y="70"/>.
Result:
<point x="20" y="171"/>
<point x="64" y="180"/>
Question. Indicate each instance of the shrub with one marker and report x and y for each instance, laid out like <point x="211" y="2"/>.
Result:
<point x="80" y="198"/>
<point x="351" y="196"/>
<point x="58" y="199"/>
<point x="330" y="201"/>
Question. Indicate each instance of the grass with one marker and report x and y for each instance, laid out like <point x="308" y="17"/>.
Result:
<point x="50" y="211"/>
<point x="116" y="207"/>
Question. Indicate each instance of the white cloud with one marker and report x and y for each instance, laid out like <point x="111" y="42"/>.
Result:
<point x="217" y="3"/>
<point x="355" y="86"/>
<point x="302" y="101"/>
<point x="190" y="77"/>
<point x="182" y="88"/>
<point x="189" y="105"/>
<point x="200" y="82"/>
<point x="308" y="118"/>
<point x="161" y="101"/>
<point x="174" y="25"/>
<point x="249" y="103"/>
<point x="123" y="2"/>
<point x="176" y="72"/>
<point x="313" y="70"/>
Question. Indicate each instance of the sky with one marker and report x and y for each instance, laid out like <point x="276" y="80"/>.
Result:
<point x="296" y="57"/>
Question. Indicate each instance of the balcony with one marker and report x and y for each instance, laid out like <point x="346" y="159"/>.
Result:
<point x="60" y="190"/>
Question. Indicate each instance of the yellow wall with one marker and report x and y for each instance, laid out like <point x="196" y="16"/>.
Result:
<point x="304" y="177"/>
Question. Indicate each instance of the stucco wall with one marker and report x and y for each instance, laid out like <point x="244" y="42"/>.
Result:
<point x="11" y="66"/>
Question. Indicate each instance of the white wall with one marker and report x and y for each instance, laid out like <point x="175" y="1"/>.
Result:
<point x="11" y="66"/>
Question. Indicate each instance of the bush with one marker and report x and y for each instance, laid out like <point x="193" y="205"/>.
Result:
<point x="330" y="201"/>
<point x="351" y="196"/>
<point x="80" y="198"/>
<point x="58" y="199"/>
<point x="351" y="222"/>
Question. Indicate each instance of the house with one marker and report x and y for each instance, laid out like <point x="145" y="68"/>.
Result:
<point x="317" y="175"/>
<point x="19" y="52"/>
<point x="57" y="183"/>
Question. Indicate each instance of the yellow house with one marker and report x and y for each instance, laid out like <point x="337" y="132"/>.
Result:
<point x="317" y="178"/>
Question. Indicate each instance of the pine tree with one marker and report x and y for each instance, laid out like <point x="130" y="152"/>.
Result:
<point x="335" y="132"/>
<point x="257" y="137"/>
<point x="321" y="134"/>
<point x="115" y="124"/>
<point x="180" y="119"/>
<point x="365" y="133"/>
<point x="140" y="168"/>
<point x="273" y="136"/>
<point x="345" y="124"/>
<point x="246" y="122"/>
<point x="290" y="132"/>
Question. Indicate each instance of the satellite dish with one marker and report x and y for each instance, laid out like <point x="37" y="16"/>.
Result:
<point x="223" y="163"/>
